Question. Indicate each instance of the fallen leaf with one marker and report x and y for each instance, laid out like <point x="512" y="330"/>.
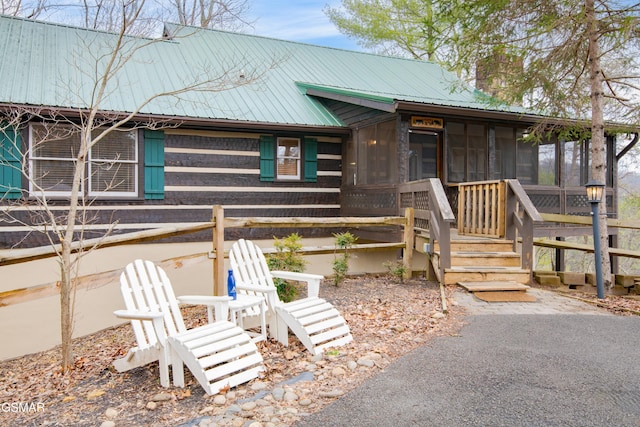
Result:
<point x="95" y="393"/>
<point x="68" y="398"/>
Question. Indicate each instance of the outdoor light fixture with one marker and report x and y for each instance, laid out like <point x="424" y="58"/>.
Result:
<point x="594" y="196"/>
<point x="594" y="191"/>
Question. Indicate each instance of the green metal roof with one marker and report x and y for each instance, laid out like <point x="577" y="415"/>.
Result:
<point x="54" y="65"/>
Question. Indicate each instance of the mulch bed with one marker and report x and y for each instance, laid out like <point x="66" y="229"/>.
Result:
<point x="387" y="319"/>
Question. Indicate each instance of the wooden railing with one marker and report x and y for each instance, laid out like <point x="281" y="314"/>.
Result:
<point x="218" y="225"/>
<point x="521" y="217"/>
<point x="481" y="209"/>
<point x="441" y="218"/>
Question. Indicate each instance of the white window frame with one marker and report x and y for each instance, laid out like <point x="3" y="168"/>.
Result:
<point x="87" y="173"/>
<point x="281" y="156"/>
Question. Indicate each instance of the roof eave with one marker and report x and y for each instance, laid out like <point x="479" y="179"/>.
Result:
<point x="179" y="121"/>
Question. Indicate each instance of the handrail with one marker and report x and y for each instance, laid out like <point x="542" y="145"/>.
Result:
<point x="441" y="216"/>
<point x="521" y="216"/>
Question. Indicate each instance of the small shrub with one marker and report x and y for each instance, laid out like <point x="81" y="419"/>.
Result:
<point x="343" y="242"/>
<point x="287" y="258"/>
<point x="397" y="269"/>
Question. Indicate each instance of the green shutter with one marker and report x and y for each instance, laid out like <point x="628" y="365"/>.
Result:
<point x="310" y="160"/>
<point x="267" y="158"/>
<point x="10" y="164"/>
<point x="153" y="164"/>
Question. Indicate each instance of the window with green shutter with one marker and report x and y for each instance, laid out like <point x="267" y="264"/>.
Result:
<point x="10" y="164"/>
<point x="288" y="159"/>
<point x="153" y="165"/>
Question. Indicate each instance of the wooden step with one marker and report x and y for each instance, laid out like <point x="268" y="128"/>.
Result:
<point x="485" y="259"/>
<point x="454" y="275"/>
<point x="494" y="286"/>
<point x="479" y="245"/>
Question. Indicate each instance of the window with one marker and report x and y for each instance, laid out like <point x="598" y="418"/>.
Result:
<point x="377" y="153"/>
<point x="536" y="162"/>
<point x="467" y="152"/>
<point x="112" y="169"/>
<point x="288" y="159"/>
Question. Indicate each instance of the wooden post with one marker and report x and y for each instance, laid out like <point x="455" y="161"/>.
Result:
<point x="407" y="254"/>
<point x="219" y="288"/>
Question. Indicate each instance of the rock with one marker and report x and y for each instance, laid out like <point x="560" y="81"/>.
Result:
<point x="255" y="424"/>
<point x="366" y="362"/>
<point x="111" y="413"/>
<point x="234" y="409"/>
<point x="438" y="315"/>
<point x="231" y="395"/>
<point x="305" y="402"/>
<point x="259" y="385"/>
<point x="317" y="358"/>
<point x="162" y="397"/>
<point x="290" y="396"/>
<point x="331" y="394"/>
<point x="338" y="372"/>
<point x="219" y="399"/>
<point x="249" y="406"/>
<point x="108" y="424"/>
<point x="278" y="393"/>
<point x="152" y="406"/>
<point x="268" y="410"/>
<point x="206" y="409"/>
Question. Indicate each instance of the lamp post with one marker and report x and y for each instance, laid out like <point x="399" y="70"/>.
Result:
<point x="594" y="196"/>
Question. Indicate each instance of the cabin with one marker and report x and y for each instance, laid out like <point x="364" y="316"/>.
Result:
<point x="281" y="129"/>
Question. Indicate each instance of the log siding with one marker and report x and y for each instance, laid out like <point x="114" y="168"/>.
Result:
<point x="202" y="169"/>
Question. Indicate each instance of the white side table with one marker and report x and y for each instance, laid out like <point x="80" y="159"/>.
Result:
<point x="243" y="303"/>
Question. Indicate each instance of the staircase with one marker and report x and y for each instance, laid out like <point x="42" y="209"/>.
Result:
<point x="476" y="260"/>
<point x="475" y="248"/>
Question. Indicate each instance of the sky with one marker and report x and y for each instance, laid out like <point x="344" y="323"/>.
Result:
<point x="299" y="20"/>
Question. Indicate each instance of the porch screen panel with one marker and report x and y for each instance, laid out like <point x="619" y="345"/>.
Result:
<point x="547" y="163"/>
<point x="476" y="152"/>
<point x="572" y="165"/>
<point x="527" y="163"/>
<point x="504" y="164"/>
<point x="376" y="153"/>
<point x="456" y="151"/>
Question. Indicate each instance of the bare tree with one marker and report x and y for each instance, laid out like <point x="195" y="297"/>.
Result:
<point x="24" y="8"/>
<point x="226" y="15"/>
<point x="101" y="62"/>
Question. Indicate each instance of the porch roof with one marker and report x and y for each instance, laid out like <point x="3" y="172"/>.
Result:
<point x="256" y="79"/>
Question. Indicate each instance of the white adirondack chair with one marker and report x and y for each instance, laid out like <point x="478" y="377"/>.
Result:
<point x="316" y="322"/>
<point x="219" y="354"/>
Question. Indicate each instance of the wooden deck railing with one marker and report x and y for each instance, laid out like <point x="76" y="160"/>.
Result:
<point x="481" y="208"/>
<point x="441" y="218"/>
<point x="521" y="217"/>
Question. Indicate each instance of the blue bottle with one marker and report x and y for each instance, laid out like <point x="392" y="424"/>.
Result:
<point x="231" y="285"/>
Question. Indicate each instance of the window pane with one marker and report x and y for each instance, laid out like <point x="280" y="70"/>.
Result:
<point x="423" y="156"/>
<point x="54" y="141"/>
<point x="288" y="160"/>
<point x="572" y="163"/>
<point x="115" y="146"/>
<point x="457" y="146"/>
<point x="477" y="152"/>
<point x="547" y="164"/>
<point x="53" y="175"/>
<point x="116" y="177"/>
<point x="504" y="166"/>
<point x="527" y="163"/>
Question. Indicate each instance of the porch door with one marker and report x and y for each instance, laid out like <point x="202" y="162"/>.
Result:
<point x="424" y="155"/>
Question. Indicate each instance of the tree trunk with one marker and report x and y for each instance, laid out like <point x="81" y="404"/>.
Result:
<point x="598" y="158"/>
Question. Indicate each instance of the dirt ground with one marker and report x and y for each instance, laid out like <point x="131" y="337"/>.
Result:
<point x="387" y="318"/>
